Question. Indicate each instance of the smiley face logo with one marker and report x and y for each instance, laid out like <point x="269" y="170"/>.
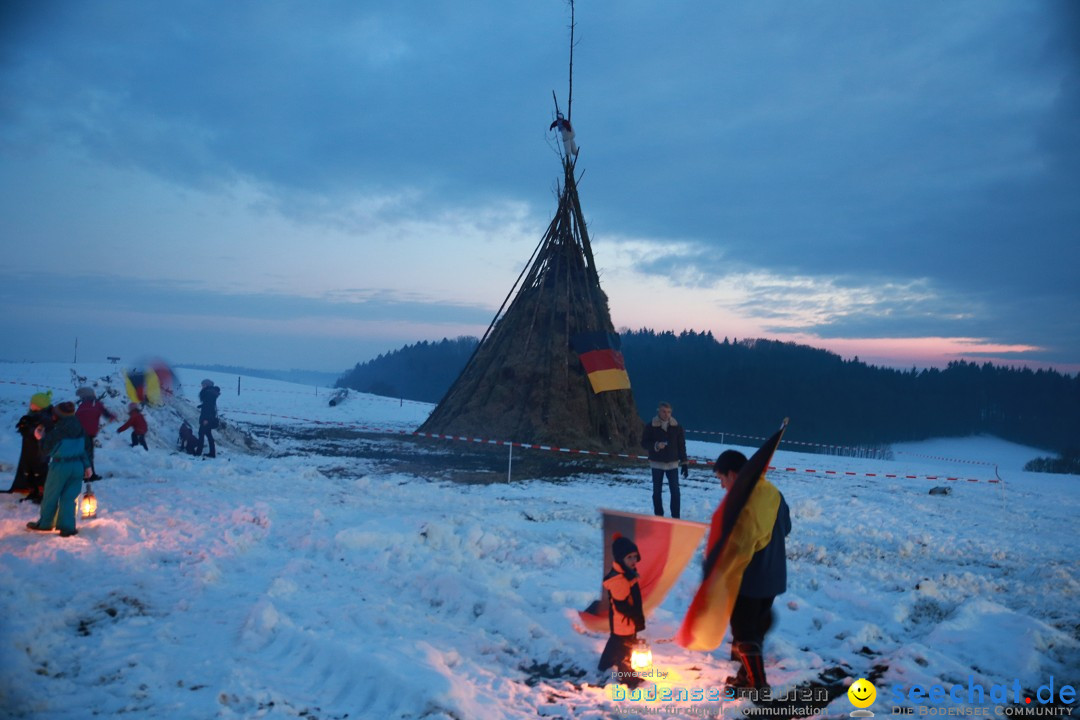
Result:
<point x="862" y="693"/>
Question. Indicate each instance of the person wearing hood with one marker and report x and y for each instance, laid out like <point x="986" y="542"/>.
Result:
<point x="665" y="441"/>
<point x="208" y="419"/>
<point x="68" y="466"/>
<point x="626" y="614"/>
<point x="33" y="466"/>
<point x="89" y="413"/>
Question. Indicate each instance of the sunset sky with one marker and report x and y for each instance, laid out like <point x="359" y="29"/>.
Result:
<point x="306" y="185"/>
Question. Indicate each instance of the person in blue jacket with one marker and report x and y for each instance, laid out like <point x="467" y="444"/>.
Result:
<point x="765" y="577"/>
<point x="65" y="445"/>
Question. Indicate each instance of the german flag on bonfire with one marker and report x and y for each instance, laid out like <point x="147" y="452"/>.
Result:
<point x="666" y="546"/>
<point x="602" y="360"/>
<point x="742" y="525"/>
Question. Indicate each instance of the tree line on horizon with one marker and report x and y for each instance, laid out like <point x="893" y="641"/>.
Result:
<point x="748" y="386"/>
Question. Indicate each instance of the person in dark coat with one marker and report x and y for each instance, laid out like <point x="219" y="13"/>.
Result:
<point x="138" y="426"/>
<point x="665" y="441"/>
<point x="89" y="414"/>
<point x="68" y="466"/>
<point x="33" y="468"/>
<point x="208" y="419"/>
<point x="765" y="577"/>
<point x="626" y="614"/>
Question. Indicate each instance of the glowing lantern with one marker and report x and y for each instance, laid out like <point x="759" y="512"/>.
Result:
<point x="641" y="656"/>
<point x="88" y="505"/>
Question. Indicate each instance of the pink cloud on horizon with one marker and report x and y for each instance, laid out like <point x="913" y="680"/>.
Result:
<point x="933" y="352"/>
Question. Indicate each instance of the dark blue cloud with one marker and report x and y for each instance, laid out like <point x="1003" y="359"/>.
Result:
<point x="109" y="294"/>
<point x="877" y="143"/>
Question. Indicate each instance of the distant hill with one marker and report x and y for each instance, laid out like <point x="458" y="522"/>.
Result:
<point x="748" y="386"/>
<point x="304" y="377"/>
<point x="423" y="371"/>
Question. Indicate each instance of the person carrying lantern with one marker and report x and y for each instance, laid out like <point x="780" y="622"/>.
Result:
<point x="89" y="413"/>
<point x="626" y="615"/>
<point x="68" y="466"/>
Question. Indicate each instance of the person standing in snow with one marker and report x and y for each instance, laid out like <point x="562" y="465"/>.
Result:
<point x="208" y="420"/>
<point x="138" y="426"/>
<point x="626" y="614"/>
<point x="765" y="577"/>
<point x="33" y="467"/>
<point x="68" y="466"/>
<point x="90" y="412"/>
<point x="665" y="441"/>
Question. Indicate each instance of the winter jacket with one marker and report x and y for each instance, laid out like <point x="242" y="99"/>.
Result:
<point x="766" y="574"/>
<point x="90" y="413"/>
<point x="674" y="453"/>
<point x="66" y="442"/>
<point x="136" y="422"/>
<point x="33" y="465"/>
<point x="208" y="398"/>
<point x="626" y="615"/>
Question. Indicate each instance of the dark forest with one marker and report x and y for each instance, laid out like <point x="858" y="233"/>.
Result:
<point x="748" y="386"/>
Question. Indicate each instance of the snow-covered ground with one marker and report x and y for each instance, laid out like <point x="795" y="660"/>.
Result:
<point x="283" y="580"/>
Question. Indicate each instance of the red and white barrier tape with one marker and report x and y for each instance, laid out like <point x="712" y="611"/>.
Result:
<point x="600" y="453"/>
<point x="947" y="459"/>
<point x="782" y="442"/>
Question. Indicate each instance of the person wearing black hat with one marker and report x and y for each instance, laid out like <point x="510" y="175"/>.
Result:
<point x="764" y="578"/>
<point x="68" y="466"/>
<point x="626" y="616"/>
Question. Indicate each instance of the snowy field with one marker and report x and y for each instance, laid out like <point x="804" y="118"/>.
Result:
<point x="282" y="581"/>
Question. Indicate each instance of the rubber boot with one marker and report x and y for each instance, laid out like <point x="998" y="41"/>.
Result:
<point x="753" y="663"/>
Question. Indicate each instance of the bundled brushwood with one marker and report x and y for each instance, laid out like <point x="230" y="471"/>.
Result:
<point x="525" y="382"/>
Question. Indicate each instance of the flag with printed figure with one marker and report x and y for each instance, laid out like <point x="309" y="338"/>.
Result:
<point x="666" y="546"/>
<point x="741" y="525"/>
<point x="602" y="360"/>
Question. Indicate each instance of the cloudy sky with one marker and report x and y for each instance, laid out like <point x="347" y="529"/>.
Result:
<point x="306" y="185"/>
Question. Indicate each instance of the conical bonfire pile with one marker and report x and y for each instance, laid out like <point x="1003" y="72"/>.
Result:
<point x="526" y="382"/>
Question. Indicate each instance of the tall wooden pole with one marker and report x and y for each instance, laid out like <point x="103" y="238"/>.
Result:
<point x="570" y="98"/>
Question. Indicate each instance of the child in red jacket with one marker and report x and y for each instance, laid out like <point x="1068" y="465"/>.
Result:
<point x="137" y="423"/>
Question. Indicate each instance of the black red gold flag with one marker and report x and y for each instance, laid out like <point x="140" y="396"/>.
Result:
<point x="666" y="546"/>
<point x="602" y="360"/>
<point x="741" y="525"/>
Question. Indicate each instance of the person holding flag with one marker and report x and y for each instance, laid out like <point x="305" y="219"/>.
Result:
<point x="764" y="578"/>
<point x="745" y="565"/>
